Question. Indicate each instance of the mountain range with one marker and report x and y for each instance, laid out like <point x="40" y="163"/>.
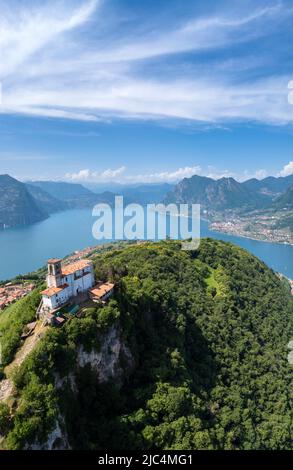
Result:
<point x="27" y="203"/>
<point x="271" y="186"/>
<point x="17" y="205"/>
<point x="71" y="195"/>
<point x="285" y="201"/>
<point x="216" y="195"/>
<point x="229" y="194"/>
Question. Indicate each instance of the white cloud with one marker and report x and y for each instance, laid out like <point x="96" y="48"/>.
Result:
<point x="287" y="170"/>
<point x="165" y="176"/>
<point x="261" y="174"/>
<point x="202" y="100"/>
<point x="197" y="34"/>
<point x="94" y="176"/>
<point x="25" y="31"/>
<point x="258" y="174"/>
<point x="49" y="67"/>
<point x="120" y="175"/>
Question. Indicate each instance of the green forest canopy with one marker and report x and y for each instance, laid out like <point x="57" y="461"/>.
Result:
<point x="208" y="332"/>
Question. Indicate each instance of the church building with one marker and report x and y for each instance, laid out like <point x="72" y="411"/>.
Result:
<point x="66" y="282"/>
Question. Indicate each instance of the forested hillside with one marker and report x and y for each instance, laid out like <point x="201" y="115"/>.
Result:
<point x="286" y="200"/>
<point x="217" y="195"/>
<point x="17" y="205"/>
<point x="202" y="364"/>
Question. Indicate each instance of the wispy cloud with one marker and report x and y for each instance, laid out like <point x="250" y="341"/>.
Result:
<point x="124" y="176"/>
<point x="287" y="170"/>
<point x="195" y="35"/>
<point x="95" y="176"/>
<point x="25" y="31"/>
<point x="120" y="175"/>
<point x="58" y="61"/>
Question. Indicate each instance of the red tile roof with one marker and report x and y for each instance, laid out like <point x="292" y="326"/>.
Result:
<point x="77" y="266"/>
<point x="59" y="320"/>
<point x="54" y="260"/>
<point x="101" y="289"/>
<point x="53" y="290"/>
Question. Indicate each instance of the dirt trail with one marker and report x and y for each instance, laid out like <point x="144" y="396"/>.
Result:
<point x="6" y="385"/>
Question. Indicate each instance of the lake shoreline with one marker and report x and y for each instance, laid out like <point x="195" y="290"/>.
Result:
<point x="24" y="250"/>
<point x="231" y="234"/>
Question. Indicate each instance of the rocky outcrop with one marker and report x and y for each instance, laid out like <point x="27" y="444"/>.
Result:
<point x="108" y="361"/>
<point x="113" y="361"/>
<point x="56" y="440"/>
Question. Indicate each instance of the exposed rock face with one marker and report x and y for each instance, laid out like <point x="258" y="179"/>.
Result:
<point x="57" y="440"/>
<point x="107" y="363"/>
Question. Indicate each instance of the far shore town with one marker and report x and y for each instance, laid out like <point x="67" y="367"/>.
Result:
<point x="255" y="228"/>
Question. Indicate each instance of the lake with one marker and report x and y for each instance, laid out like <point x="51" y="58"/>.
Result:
<point x="26" y="249"/>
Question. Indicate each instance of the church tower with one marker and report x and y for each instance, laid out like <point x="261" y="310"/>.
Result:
<point x="54" y="277"/>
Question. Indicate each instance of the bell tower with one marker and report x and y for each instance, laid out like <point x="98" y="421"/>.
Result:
<point x="54" y="277"/>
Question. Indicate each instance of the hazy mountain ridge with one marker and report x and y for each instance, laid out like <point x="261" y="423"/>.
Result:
<point x="216" y="195"/>
<point x="271" y="185"/>
<point x="46" y="201"/>
<point x="76" y="196"/>
<point x="285" y="201"/>
<point x="26" y="203"/>
<point x="35" y="200"/>
<point x="17" y="206"/>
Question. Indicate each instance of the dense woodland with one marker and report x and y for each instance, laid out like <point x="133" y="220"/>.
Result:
<point x="208" y="332"/>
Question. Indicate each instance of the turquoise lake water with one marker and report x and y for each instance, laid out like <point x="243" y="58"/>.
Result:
<point x="27" y="248"/>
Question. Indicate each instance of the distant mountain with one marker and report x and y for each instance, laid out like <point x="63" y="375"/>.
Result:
<point x="17" y="205"/>
<point x="46" y="201"/>
<point x="285" y="201"/>
<point x="99" y="188"/>
<point x="271" y="186"/>
<point x="140" y="193"/>
<point x="216" y="195"/>
<point x="74" y="195"/>
<point x="147" y="193"/>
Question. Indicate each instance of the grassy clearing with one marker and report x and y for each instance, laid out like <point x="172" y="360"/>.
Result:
<point x="211" y="281"/>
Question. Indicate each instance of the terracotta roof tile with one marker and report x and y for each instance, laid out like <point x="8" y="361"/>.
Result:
<point x="77" y="266"/>
<point x="101" y="289"/>
<point x="53" y="290"/>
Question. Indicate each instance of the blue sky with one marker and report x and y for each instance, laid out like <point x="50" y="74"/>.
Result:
<point x="145" y="91"/>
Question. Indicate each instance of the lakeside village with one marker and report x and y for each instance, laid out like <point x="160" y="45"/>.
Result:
<point x="255" y="226"/>
<point x="10" y="293"/>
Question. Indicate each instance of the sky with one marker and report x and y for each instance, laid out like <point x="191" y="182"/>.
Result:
<point x="145" y="91"/>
